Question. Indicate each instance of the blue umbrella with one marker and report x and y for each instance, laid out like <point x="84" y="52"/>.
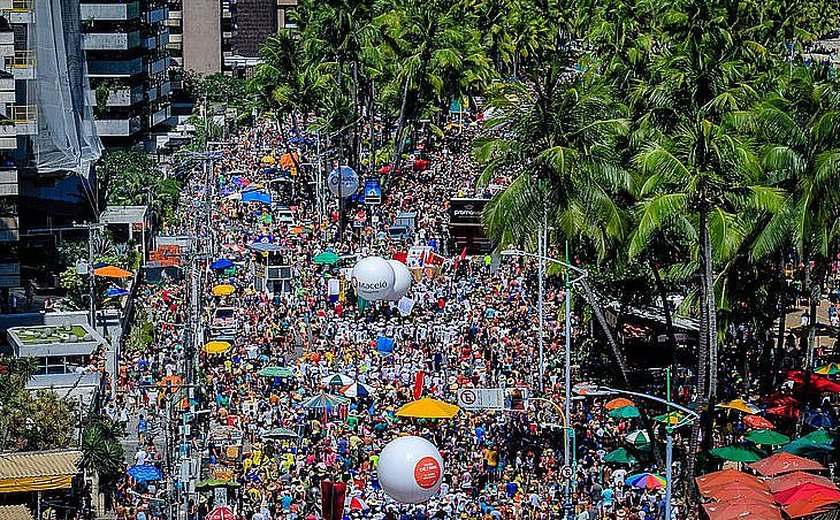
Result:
<point x="384" y="345"/>
<point x="145" y="472"/>
<point x="221" y="263"/>
<point x="113" y="292"/>
<point x="270" y="171"/>
<point x="819" y="420"/>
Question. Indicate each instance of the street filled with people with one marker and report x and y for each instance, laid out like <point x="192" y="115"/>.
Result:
<point x="298" y="380"/>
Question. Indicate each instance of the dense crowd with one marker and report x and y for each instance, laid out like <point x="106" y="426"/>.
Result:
<point x="473" y="324"/>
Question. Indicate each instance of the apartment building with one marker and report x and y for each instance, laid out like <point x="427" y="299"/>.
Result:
<point x="126" y="43"/>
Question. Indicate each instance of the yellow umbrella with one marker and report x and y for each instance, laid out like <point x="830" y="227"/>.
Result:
<point x="223" y="290"/>
<point x="217" y="347"/>
<point x="741" y="406"/>
<point x="428" y="408"/>
<point x="268" y="159"/>
<point x="112" y="271"/>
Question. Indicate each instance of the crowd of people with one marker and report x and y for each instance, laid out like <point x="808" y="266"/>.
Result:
<point x="472" y="324"/>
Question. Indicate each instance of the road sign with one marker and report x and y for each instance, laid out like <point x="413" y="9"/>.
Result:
<point x="567" y="472"/>
<point x="481" y="398"/>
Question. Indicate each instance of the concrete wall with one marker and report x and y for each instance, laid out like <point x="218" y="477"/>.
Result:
<point x="202" y="22"/>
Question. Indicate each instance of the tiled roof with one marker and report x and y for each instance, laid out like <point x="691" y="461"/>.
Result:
<point x="39" y="464"/>
<point x="15" y="513"/>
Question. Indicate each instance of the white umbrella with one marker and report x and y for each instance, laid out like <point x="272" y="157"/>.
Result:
<point x="337" y="380"/>
<point x="356" y="390"/>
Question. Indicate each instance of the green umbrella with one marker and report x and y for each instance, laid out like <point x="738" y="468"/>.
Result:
<point x="620" y="456"/>
<point x="328" y="257"/>
<point x="807" y="448"/>
<point x="768" y="437"/>
<point x="820" y="436"/>
<point x="276" y="372"/>
<point x="737" y="454"/>
<point x="638" y="438"/>
<point x="625" y="412"/>
<point x="215" y="483"/>
<point x="280" y="433"/>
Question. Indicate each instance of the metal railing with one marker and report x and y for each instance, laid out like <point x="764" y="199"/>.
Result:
<point x="22" y="114"/>
<point x="22" y="59"/>
<point x="22" y="5"/>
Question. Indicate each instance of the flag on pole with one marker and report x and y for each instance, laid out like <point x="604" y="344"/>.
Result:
<point x="459" y="259"/>
<point x="418" y="384"/>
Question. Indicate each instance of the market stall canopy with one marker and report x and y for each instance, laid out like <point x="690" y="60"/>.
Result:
<point x="807" y="448"/>
<point x="276" y="372"/>
<point x="145" y="472"/>
<point x="821" y="436"/>
<point x="618" y="402"/>
<point x="737" y="453"/>
<point x="757" y="421"/>
<point x="625" y="412"/>
<point x="818" y="383"/>
<point x="112" y="271"/>
<point x="280" y="433"/>
<point x="741" y="406"/>
<point x="810" y="506"/>
<point x="216" y="347"/>
<point x="805" y="492"/>
<point x="708" y="483"/>
<point x="784" y="462"/>
<point x="744" y="492"/>
<point x="428" y="408"/>
<point x="620" y="456"/>
<point x="741" y="510"/>
<point x="223" y="290"/>
<point x="797" y="478"/>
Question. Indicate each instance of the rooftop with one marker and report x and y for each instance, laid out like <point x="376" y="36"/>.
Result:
<point x="54" y="340"/>
<point x="37" y="464"/>
<point x="18" y="512"/>
<point x="124" y="215"/>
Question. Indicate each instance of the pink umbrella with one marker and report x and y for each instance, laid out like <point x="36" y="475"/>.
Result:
<point x="220" y="513"/>
<point x="358" y="503"/>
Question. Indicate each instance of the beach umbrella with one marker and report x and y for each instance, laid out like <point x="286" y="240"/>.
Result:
<point x="220" y="513"/>
<point x="829" y="369"/>
<point x="645" y="481"/>
<point x="328" y="257"/>
<point x="819" y="420"/>
<point x="757" y="421"/>
<point x="812" y="505"/>
<point x="767" y="437"/>
<point x="637" y="438"/>
<point x="276" y="372"/>
<point x="797" y="478"/>
<point x="223" y="290"/>
<point x="355" y="390"/>
<point x="221" y="263"/>
<point x="337" y="380"/>
<point x="216" y="347"/>
<point x="145" y="472"/>
<point x="737" y="453"/>
<point x="618" y="402"/>
<point x="357" y="504"/>
<point x="620" y="456"/>
<point x="741" y="406"/>
<point x="804" y="492"/>
<point x="280" y="433"/>
<point x="324" y="401"/>
<point x="625" y="412"/>
<point x="821" y="436"/>
<point x="428" y="408"/>
<point x="114" y="292"/>
<point x="807" y="448"/>
<point x="670" y="418"/>
<point x="112" y="271"/>
<point x="784" y="462"/>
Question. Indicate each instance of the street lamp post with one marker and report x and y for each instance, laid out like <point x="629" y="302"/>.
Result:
<point x="669" y="430"/>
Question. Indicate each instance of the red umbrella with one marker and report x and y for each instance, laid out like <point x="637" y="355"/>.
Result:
<point x="758" y="422"/>
<point x="818" y="383"/>
<point x="809" y="506"/>
<point x="711" y="483"/>
<point x="743" y="493"/>
<point x="220" y="513"/>
<point x="742" y="510"/>
<point x="805" y="492"/>
<point x="779" y="399"/>
<point x="788" y="411"/>
<point x="795" y="479"/>
<point x="784" y="462"/>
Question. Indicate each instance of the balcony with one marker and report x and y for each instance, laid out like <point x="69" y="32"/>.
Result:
<point x="111" y="11"/>
<point x="118" y="127"/>
<point x="8" y="187"/>
<point x="108" y="68"/>
<point x="157" y="15"/>
<point x="176" y="38"/>
<point x="8" y="141"/>
<point x="124" y="97"/>
<point x="21" y="65"/>
<point x="160" y="116"/>
<point x="9" y="227"/>
<point x="25" y="118"/>
<point x="20" y="12"/>
<point x="175" y="15"/>
<point x="158" y="66"/>
<point x="10" y="274"/>
<point x="111" y="41"/>
<point x="7" y="88"/>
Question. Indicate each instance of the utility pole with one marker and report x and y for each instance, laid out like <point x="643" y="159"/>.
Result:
<point x="90" y="227"/>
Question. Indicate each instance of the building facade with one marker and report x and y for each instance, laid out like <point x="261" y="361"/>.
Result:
<point x="126" y="43"/>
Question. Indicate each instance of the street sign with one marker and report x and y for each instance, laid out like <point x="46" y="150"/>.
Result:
<point x="373" y="192"/>
<point x="481" y="398"/>
<point x="567" y="472"/>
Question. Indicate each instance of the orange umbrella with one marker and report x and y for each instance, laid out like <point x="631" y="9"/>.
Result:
<point x="742" y="510"/>
<point x="792" y="480"/>
<point x="811" y="505"/>
<point x="805" y="492"/>
<point x="756" y="421"/>
<point x="784" y="462"/>
<point x="710" y="483"/>
<point x="742" y="492"/>
<point x="619" y="402"/>
<point x="112" y="271"/>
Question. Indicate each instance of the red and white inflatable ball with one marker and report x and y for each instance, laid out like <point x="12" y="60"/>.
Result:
<point x="410" y="469"/>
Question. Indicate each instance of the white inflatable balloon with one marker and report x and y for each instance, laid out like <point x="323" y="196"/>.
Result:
<point x="373" y="278"/>
<point x="402" y="280"/>
<point x="346" y="177"/>
<point x="410" y="469"/>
